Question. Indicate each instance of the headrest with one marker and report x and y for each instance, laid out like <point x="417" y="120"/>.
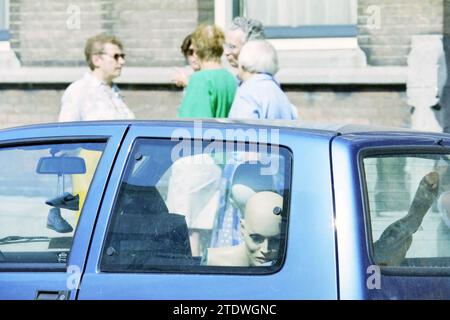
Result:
<point x="251" y="175"/>
<point x="241" y="193"/>
<point x="141" y="200"/>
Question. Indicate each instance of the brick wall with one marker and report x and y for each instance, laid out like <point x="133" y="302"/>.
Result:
<point x="49" y="33"/>
<point x="376" y="106"/>
<point x="206" y="11"/>
<point x="19" y="107"/>
<point x="152" y="31"/>
<point x="388" y="43"/>
<point x="40" y="104"/>
<point x="53" y="32"/>
<point x="384" y="106"/>
<point x="44" y="34"/>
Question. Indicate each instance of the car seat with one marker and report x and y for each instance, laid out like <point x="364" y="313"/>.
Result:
<point x="143" y="234"/>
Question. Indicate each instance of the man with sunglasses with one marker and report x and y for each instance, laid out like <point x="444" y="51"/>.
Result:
<point x="95" y="96"/>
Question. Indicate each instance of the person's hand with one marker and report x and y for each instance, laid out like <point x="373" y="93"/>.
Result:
<point x="180" y="78"/>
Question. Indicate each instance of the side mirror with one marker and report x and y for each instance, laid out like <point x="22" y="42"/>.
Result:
<point x="61" y="165"/>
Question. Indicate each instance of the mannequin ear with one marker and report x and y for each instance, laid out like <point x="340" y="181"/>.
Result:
<point x="242" y="227"/>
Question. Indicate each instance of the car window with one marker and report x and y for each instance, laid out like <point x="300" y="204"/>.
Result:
<point x="409" y="206"/>
<point x="42" y="192"/>
<point x="200" y="210"/>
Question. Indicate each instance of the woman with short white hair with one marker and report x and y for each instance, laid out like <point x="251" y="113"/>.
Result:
<point x="260" y="96"/>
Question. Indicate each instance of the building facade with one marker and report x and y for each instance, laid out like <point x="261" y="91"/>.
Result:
<point x="352" y="61"/>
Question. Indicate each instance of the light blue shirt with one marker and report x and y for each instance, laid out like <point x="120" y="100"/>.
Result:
<point x="261" y="97"/>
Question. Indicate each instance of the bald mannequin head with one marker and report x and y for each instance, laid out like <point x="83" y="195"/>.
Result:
<point x="261" y="227"/>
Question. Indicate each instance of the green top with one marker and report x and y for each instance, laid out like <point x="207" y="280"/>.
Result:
<point x="209" y="94"/>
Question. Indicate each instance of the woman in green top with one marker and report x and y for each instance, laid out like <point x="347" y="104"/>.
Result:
<point x="210" y="91"/>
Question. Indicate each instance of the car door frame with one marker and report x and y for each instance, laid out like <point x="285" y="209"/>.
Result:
<point x="360" y="277"/>
<point x="308" y="273"/>
<point x="26" y="283"/>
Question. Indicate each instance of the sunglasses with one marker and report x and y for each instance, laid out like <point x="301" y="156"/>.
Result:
<point x="116" y="56"/>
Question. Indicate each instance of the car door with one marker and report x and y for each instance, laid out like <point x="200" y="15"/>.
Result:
<point x="172" y="227"/>
<point x="392" y="215"/>
<point x="52" y="181"/>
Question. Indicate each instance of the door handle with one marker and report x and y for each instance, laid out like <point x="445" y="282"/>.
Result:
<point x="52" y="295"/>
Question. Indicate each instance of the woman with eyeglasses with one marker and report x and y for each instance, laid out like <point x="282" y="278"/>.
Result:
<point x="210" y="91"/>
<point x="181" y="77"/>
<point x="237" y="34"/>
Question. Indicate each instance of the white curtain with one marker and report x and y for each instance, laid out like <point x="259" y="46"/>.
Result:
<point x="3" y="12"/>
<point x="295" y="13"/>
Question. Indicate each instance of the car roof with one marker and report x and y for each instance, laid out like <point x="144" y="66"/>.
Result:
<point x="336" y="129"/>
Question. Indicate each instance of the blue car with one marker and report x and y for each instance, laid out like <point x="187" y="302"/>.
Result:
<point x="226" y="210"/>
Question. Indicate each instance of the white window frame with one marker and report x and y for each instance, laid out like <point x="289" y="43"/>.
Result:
<point x="223" y="12"/>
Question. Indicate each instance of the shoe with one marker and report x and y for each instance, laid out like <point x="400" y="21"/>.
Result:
<point x="65" y="201"/>
<point x="56" y="222"/>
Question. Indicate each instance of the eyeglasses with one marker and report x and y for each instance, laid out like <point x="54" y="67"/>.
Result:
<point x="116" y="56"/>
<point x="229" y="46"/>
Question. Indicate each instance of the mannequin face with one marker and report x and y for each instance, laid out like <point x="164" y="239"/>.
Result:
<point x="262" y="243"/>
<point x="261" y="228"/>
